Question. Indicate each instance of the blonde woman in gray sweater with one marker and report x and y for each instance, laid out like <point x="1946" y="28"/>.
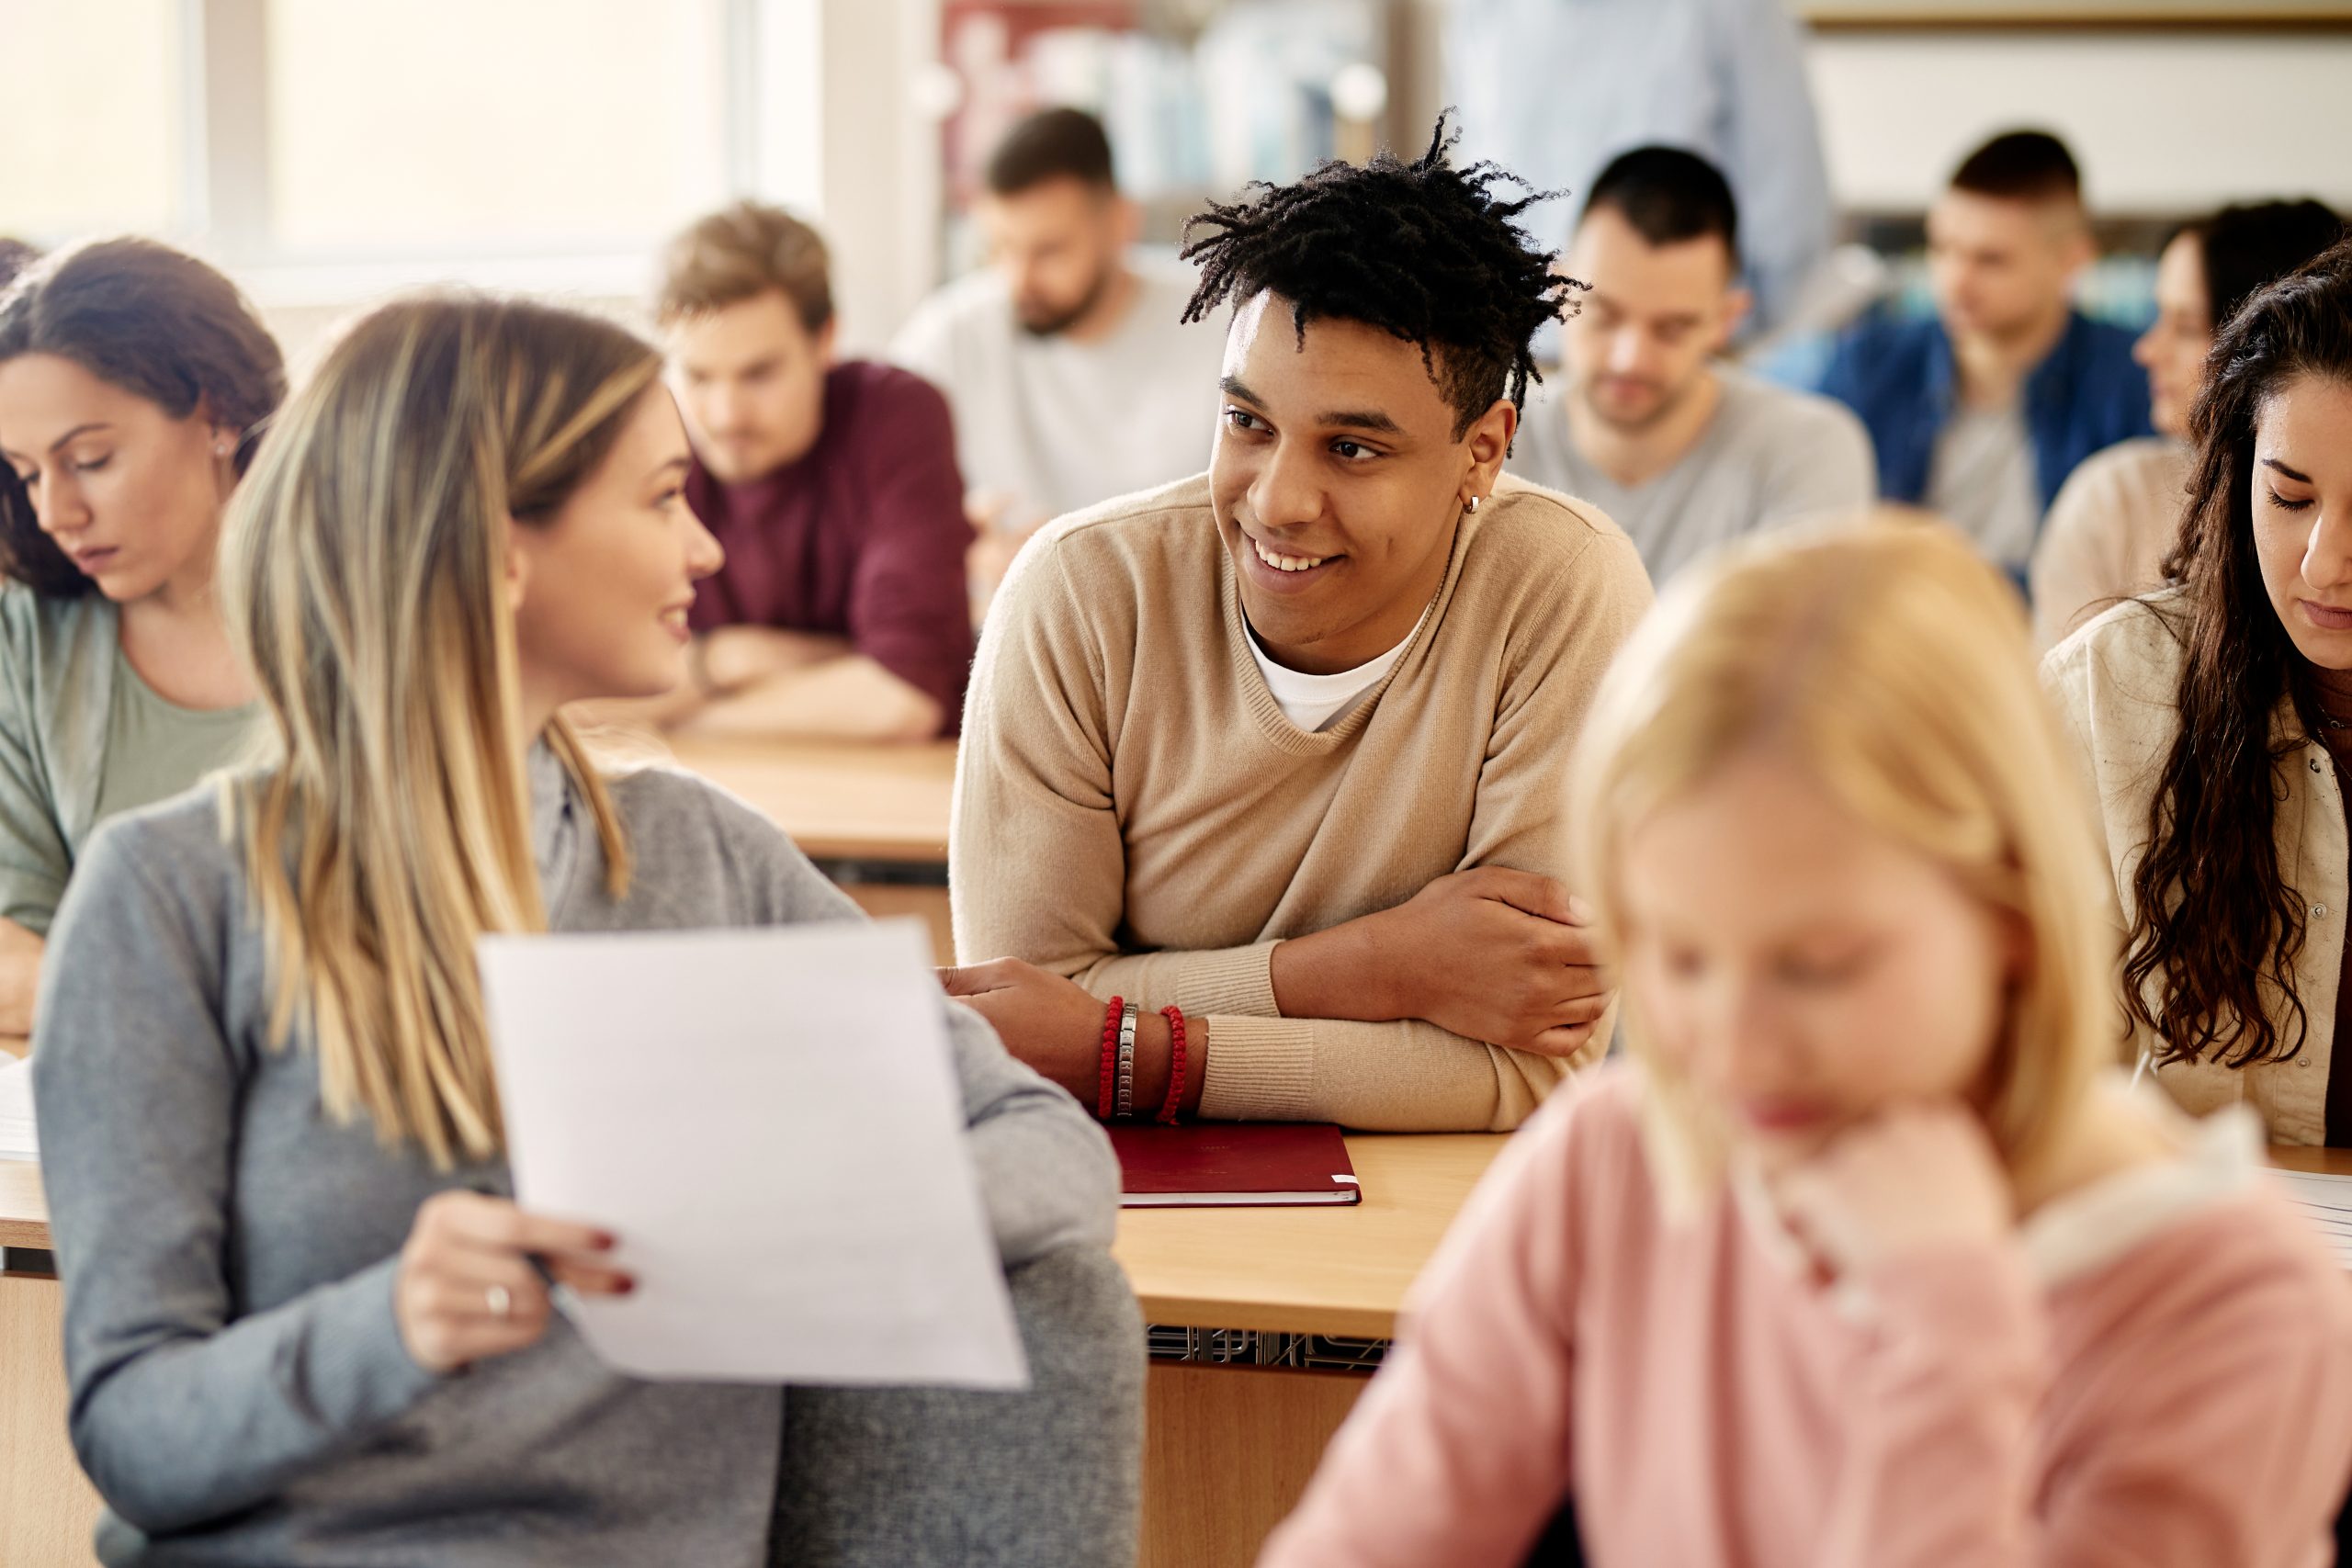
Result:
<point x="304" y="1324"/>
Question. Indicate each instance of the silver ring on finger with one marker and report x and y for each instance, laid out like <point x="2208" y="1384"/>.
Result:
<point x="501" y="1300"/>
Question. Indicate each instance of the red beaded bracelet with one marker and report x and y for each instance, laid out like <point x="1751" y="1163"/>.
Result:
<point x="1175" y="1065"/>
<point x="1110" y="1057"/>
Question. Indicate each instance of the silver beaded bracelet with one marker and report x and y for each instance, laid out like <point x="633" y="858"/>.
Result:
<point x="1127" y="1097"/>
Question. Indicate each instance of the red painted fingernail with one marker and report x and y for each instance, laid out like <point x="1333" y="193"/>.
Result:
<point x="627" y="1283"/>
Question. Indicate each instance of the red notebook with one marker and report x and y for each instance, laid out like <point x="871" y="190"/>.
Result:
<point x="1233" y="1163"/>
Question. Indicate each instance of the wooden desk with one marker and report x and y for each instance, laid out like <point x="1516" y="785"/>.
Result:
<point x="2314" y="1162"/>
<point x="1227" y="1449"/>
<point x="840" y="800"/>
<point x="24" y="1213"/>
<point x="47" y="1508"/>
<point x="845" y="804"/>
<point x="1340" y="1271"/>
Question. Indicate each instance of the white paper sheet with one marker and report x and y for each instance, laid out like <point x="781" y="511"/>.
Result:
<point x="17" y="1140"/>
<point x="2327" y="1201"/>
<point x="770" y="1122"/>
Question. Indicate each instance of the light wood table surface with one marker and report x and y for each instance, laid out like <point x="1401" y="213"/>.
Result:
<point x="844" y="802"/>
<point x="840" y="800"/>
<point x="24" y="1213"/>
<point x="1329" y="1270"/>
<point x="47" y="1508"/>
<point x="1228" y="1448"/>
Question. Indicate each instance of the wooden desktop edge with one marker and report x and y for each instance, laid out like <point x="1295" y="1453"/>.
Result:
<point x="840" y="800"/>
<point x="876" y="845"/>
<point x="23" y="1223"/>
<point x="2311" y="1161"/>
<point x="1179" y="1309"/>
<point x="24" y="1213"/>
<point x="1341" y="1272"/>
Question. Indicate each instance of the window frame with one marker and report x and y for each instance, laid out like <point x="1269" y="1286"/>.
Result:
<point x="224" y="176"/>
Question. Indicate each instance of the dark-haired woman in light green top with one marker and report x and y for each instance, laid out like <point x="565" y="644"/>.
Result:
<point x="133" y="383"/>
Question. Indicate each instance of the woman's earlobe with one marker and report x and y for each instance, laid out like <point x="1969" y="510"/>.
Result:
<point x="518" y="570"/>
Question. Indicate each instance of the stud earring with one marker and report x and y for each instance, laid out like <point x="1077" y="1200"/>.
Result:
<point x="221" y="447"/>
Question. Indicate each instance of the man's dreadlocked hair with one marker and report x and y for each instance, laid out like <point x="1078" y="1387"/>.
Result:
<point x="1423" y="251"/>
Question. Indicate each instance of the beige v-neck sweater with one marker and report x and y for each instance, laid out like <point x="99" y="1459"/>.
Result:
<point x="1133" y="809"/>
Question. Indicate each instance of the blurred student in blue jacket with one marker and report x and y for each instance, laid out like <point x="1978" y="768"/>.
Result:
<point x="1980" y="411"/>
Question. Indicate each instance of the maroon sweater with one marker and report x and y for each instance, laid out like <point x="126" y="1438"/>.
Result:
<point x="863" y="537"/>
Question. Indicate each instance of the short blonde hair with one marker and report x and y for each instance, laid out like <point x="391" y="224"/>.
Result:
<point x="741" y="252"/>
<point x="1894" y="666"/>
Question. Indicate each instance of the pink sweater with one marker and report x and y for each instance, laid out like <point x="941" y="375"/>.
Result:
<point x="2159" y="1371"/>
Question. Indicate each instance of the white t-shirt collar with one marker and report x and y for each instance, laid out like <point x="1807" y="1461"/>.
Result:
<point x="1316" y="703"/>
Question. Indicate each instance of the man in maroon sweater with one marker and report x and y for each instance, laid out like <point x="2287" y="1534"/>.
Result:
<point x="842" y="609"/>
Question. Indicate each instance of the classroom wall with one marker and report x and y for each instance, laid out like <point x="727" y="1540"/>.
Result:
<point x="2163" y="122"/>
<point x="880" y="162"/>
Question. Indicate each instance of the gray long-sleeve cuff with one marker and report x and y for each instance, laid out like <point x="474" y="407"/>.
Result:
<point x="188" y="1432"/>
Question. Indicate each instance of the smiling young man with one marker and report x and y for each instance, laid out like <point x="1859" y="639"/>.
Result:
<point x="1682" y="450"/>
<point x="1285" y="746"/>
<point x="832" y="486"/>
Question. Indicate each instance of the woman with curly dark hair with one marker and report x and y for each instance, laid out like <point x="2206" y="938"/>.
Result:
<point x="133" y="384"/>
<point x="2215" y="719"/>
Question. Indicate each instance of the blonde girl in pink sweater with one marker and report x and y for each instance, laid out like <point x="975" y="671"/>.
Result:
<point x="1869" y="1257"/>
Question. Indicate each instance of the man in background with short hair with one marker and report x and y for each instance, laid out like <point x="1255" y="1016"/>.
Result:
<point x="1552" y="89"/>
<point x="1073" y="376"/>
<point x="1980" y="412"/>
<point x="1643" y="418"/>
<point x="832" y="486"/>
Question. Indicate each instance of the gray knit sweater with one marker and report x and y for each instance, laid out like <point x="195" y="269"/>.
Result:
<point x="240" y="1390"/>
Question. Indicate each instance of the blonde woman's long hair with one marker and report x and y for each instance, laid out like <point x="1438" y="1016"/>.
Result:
<point x="363" y="581"/>
<point x="1892" y="666"/>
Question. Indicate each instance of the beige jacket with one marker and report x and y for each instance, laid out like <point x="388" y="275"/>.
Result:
<point x="2114" y="681"/>
<point x="2109" y="530"/>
